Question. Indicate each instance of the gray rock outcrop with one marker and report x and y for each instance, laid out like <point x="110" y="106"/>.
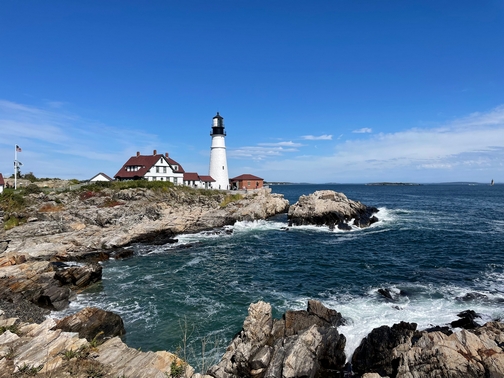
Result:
<point x="255" y="205"/>
<point x="333" y="209"/>
<point x="42" y="350"/>
<point x="301" y="344"/>
<point x="401" y="352"/>
<point x="64" y="225"/>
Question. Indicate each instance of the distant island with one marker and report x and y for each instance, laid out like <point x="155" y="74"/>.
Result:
<point x="393" y="183"/>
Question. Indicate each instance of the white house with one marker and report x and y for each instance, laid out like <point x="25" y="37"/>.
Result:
<point x="101" y="177"/>
<point x="155" y="167"/>
<point x="2" y="183"/>
<point x="194" y="180"/>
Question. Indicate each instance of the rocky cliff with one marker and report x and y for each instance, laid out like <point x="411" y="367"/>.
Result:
<point x="65" y="225"/>
<point x="300" y="344"/>
<point x="38" y="272"/>
<point x="332" y="209"/>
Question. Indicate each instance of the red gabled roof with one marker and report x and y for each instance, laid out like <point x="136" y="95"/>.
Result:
<point x="145" y="162"/>
<point x="2" y="182"/>
<point x="173" y="162"/>
<point x="191" y="176"/>
<point x="245" y="176"/>
<point x="207" y="179"/>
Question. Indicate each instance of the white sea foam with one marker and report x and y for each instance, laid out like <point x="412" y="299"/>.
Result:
<point x="257" y="225"/>
<point x="435" y="307"/>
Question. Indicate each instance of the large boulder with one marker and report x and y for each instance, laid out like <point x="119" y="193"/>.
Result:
<point x="93" y="323"/>
<point x="401" y="352"/>
<point x="79" y="276"/>
<point x="329" y="208"/>
<point x="301" y="344"/>
<point x="374" y="354"/>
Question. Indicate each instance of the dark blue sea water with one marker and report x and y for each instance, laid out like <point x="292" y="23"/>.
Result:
<point x="438" y="248"/>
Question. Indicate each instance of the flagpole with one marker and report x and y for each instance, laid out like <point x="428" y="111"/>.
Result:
<point x="15" y="166"/>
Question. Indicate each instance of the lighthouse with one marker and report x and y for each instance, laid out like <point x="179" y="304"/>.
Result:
<point x="218" y="161"/>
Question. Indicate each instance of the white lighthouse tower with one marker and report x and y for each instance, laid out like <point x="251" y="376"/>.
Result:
<point x="218" y="161"/>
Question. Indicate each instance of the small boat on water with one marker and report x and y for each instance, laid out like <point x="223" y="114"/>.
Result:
<point x="492" y="182"/>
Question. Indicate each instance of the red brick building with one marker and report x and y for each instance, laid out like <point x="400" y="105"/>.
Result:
<point x="246" y="181"/>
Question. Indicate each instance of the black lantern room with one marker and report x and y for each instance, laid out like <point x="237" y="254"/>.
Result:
<point x="218" y="125"/>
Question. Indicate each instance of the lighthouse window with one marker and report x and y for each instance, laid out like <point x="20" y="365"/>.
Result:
<point x="222" y="167"/>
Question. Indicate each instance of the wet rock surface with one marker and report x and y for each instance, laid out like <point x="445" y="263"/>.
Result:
<point x="93" y="324"/>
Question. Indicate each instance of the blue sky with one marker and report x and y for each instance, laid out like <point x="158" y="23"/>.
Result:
<point x="323" y="91"/>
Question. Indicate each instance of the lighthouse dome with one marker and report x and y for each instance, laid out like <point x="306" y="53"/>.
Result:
<point x="218" y="125"/>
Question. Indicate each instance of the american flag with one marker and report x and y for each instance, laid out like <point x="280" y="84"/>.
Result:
<point x="18" y="149"/>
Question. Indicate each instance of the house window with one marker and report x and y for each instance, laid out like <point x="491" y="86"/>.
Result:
<point x="175" y="180"/>
<point x="248" y="183"/>
<point x="164" y="169"/>
<point x="175" y="167"/>
<point x="157" y="169"/>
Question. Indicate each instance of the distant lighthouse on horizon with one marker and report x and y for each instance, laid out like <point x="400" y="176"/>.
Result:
<point x="218" y="161"/>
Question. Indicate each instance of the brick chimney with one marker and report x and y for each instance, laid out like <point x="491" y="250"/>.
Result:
<point x="166" y="155"/>
<point x="138" y="153"/>
<point x="154" y="153"/>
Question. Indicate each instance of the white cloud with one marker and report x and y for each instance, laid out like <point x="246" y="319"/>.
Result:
<point x="466" y="149"/>
<point x="364" y="130"/>
<point x="320" y="137"/>
<point x="258" y="152"/>
<point x="55" y="142"/>
<point x="281" y="144"/>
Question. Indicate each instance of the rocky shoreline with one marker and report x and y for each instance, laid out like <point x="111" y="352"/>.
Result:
<point x="55" y="254"/>
<point x="303" y="343"/>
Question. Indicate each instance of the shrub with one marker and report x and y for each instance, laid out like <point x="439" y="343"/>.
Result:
<point x="69" y="354"/>
<point x="29" y="369"/>
<point x="11" y="201"/>
<point x="11" y="328"/>
<point x="176" y="370"/>
<point x="86" y="195"/>
<point x="12" y="222"/>
<point x="50" y="208"/>
<point x="231" y="198"/>
<point x="32" y="189"/>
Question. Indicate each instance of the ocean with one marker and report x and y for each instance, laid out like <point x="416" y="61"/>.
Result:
<point x="438" y="249"/>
